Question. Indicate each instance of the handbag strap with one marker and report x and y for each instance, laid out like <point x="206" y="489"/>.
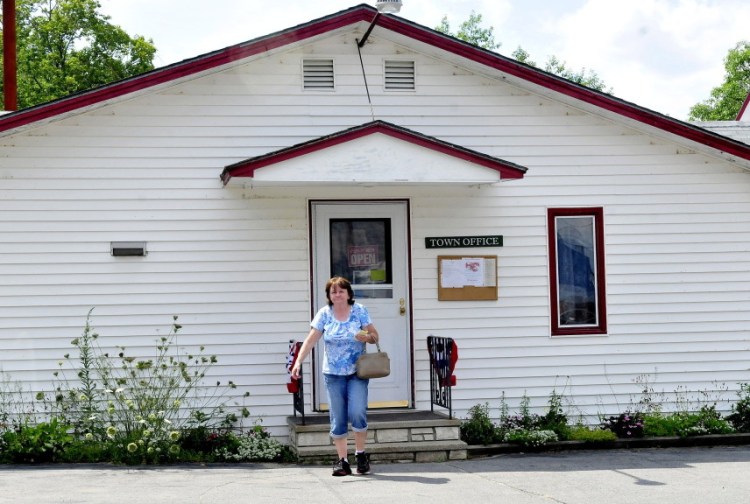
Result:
<point x="377" y="344"/>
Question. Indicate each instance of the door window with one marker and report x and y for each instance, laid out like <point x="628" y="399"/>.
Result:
<point x="361" y="252"/>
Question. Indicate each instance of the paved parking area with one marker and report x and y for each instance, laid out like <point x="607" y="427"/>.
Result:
<point x="642" y="476"/>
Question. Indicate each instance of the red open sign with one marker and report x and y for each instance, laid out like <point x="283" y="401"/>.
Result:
<point x="363" y="255"/>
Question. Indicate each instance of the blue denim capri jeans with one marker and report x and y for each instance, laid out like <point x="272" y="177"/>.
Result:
<point x="347" y="400"/>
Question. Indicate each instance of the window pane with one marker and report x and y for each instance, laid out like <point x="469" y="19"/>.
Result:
<point x="576" y="271"/>
<point x="361" y="252"/>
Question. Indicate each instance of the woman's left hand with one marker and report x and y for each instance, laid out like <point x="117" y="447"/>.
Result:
<point x="364" y="337"/>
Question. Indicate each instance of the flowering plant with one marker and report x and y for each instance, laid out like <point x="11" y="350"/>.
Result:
<point x="625" y="425"/>
<point x="530" y="438"/>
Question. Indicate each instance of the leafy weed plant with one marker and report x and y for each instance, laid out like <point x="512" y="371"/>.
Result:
<point x="139" y="405"/>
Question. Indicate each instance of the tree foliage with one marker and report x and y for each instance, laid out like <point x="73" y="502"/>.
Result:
<point x="584" y="77"/>
<point x="726" y="100"/>
<point x="67" y="46"/>
<point x="471" y="31"/>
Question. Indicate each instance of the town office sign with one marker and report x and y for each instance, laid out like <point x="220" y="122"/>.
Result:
<point x="463" y="241"/>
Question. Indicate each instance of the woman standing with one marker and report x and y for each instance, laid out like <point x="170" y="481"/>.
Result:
<point x="345" y="327"/>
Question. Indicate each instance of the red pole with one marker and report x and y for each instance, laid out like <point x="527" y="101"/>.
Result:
<point x="10" y="82"/>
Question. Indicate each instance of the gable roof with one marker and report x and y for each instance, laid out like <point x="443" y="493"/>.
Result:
<point x="739" y="130"/>
<point x="504" y="169"/>
<point x="365" y="14"/>
<point x="744" y="108"/>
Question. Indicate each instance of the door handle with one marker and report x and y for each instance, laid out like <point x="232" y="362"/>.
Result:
<point x="402" y="306"/>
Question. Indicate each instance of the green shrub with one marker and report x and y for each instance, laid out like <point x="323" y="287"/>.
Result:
<point x="740" y="416"/>
<point x="30" y="444"/>
<point x="586" y="434"/>
<point x="658" y="425"/>
<point x="478" y="428"/>
<point x="82" y="451"/>
<point x="683" y="424"/>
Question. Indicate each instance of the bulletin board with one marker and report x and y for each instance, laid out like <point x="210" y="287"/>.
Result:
<point x="467" y="278"/>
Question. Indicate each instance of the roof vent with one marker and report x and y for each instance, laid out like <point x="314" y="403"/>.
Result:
<point x="399" y="75"/>
<point x="388" y="6"/>
<point x="317" y="73"/>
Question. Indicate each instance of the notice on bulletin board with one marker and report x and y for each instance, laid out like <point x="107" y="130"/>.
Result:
<point x="468" y="271"/>
<point x="464" y="278"/>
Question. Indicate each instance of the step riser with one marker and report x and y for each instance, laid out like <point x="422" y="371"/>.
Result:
<point x="378" y="436"/>
<point x="414" y="439"/>
<point x="394" y="457"/>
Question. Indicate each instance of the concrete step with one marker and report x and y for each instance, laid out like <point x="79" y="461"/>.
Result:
<point x="394" y="436"/>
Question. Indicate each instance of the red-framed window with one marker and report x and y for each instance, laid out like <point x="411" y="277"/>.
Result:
<point x="576" y="271"/>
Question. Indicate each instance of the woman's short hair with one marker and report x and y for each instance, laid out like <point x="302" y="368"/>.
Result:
<point x="341" y="283"/>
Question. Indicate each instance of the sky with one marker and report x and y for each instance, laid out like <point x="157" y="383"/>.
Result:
<point x="665" y="55"/>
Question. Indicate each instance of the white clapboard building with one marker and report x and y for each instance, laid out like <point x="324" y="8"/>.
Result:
<point x="566" y="239"/>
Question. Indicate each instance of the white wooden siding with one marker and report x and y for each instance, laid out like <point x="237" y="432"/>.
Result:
<point x="232" y="262"/>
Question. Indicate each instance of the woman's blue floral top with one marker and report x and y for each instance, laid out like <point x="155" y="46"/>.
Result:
<point x="341" y="350"/>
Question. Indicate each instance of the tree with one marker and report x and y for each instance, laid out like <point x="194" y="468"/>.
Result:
<point x="726" y="100"/>
<point x="472" y="32"/>
<point x="67" y="46"/>
<point x="584" y="77"/>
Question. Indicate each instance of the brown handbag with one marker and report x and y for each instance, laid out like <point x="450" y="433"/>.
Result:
<point x="374" y="365"/>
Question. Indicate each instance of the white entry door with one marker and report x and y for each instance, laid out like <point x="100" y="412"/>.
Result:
<point x="367" y="243"/>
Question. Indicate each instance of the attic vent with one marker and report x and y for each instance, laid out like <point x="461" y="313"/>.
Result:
<point x="399" y="75"/>
<point x="318" y="73"/>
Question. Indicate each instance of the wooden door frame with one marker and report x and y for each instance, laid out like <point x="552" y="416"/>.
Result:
<point x="409" y="290"/>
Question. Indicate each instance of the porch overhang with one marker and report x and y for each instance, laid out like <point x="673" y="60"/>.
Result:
<point x="375" y="153"/>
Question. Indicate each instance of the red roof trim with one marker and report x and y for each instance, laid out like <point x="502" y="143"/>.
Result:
<point x="407" y="28"/>
<point x="743" y="108"/>
<point x="247" y="167"/>
<point x="187" y="67"/>
<point x="566" y="87"/>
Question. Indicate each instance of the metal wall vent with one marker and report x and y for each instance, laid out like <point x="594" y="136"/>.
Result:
<point x="128" y="248"/>
<point x="399" y="75"/>
<point x="317" y="73"/>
